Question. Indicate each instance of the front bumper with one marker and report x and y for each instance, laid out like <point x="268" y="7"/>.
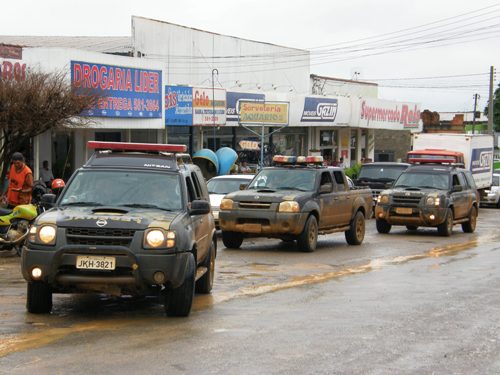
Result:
<point x="132" y="271"/>
<point x="419" y="216"/>
<point x="260" y="222"/>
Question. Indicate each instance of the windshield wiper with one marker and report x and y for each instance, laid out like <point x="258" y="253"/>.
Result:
<point x="82" y="204"/>
<point x="145" y="205"/>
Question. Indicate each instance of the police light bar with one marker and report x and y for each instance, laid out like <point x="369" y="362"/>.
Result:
<point x="124" y="146"/>
<point x="314" y="160"/>
<point x="284" y="159"/>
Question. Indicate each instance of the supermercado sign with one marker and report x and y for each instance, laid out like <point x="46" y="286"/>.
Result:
<point x="122" y="91"/>
<point x="263" y="113"/>
<point x="383" y="114"/>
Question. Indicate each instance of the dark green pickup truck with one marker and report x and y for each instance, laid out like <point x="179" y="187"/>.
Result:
<point x="296" y="203"/>
<point x="430" y="196"/>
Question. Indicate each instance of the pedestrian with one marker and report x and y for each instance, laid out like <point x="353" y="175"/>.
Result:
<point x="20" y="185"/>
<point x="46" y="174"/>
<point x="341" y="163"/>
<point x="244" y="167"/>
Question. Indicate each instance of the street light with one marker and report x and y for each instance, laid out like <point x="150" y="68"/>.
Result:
<point x="214" y="71"/>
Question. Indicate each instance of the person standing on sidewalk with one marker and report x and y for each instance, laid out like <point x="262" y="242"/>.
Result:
<point x="20" y="182"/>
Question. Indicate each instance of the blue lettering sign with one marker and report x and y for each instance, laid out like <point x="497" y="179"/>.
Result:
<point x="319" y="110"/>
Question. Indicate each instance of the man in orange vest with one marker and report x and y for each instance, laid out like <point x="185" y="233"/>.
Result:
<point x="20" y="182"/>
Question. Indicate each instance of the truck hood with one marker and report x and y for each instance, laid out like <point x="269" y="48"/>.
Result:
<point x="267" y="195"/>
<point x="96" y="217"/>
<point x="414" y="192"/>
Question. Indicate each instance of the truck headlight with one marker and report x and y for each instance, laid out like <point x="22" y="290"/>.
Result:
<point x="432" y="201"/>
<point x="226" y="204"/>
<point x="158" y="238"/>
<point x="45" y="234"/>
<point x="383" y="199"/>
<point x="289" y="206"/>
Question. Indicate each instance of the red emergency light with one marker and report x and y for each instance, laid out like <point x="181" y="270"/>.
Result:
<point x="124" y="146"/>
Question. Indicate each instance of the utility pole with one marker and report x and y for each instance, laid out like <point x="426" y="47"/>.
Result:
<point x="214" y="71"/>
<point x="490" y="102"/>
<point x="476" y="97"/>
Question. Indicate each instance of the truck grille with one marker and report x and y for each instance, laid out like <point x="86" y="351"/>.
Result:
<point x="406" y="200"/>
<point x="99" y="236"/>
<point x="256" y="205"/>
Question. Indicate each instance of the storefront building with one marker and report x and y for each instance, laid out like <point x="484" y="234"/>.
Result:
<point x="167" y="91"/>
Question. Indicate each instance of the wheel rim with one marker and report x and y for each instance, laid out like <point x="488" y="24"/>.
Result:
<point x="450" y="221"/>
<point x="312" y="234"/>
<point x="360" y="229"/>
<point x="473" y="218"/>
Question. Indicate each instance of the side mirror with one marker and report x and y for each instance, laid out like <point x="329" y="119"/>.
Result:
<point x="457" y="188"/>
<point x="48" y="200"/>
<point x="326" y="188"/>
<point x="243" y="186"/>
<point x="199" y="207"/>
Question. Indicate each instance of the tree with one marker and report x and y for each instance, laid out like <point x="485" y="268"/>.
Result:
<point x="496" y="110"/>
<point x="30" y="107"/>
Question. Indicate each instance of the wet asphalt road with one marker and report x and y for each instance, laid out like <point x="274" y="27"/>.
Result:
<point x="402" y="303"/>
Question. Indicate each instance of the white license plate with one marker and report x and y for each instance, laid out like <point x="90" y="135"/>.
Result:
<point x="404" y="210"/>
<point x="90" y="262"/>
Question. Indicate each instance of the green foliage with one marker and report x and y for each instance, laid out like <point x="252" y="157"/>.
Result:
<point x="496" y="110"/>
<point x="353" y="171"/>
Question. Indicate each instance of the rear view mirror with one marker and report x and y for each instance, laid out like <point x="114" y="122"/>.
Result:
<point x="243" y="186"/>
<point x="199" y="207"/>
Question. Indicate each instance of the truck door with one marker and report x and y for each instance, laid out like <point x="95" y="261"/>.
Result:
<point x="459" y="196"/>
<point x="326" y="201"/>
<point x="200" y="222"/>
<point x="343" y="199"/>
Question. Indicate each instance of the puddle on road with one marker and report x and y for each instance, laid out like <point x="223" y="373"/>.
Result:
<point x="46" y="334"/>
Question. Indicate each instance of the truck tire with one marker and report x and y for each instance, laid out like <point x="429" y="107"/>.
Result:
<point x="180" y="299"/>
<point x="39" y="298"/>
<point x="383" y="226"/>
<point x="470" y="225"/>
<point x="446" y="227"/>
<point x="356" y="232"/>
<point x="308" y="239"/>
<point x="232" y="240"/>
<point x="205" y="283"/>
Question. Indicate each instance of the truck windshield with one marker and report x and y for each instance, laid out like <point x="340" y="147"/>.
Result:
<point x="124" y="188"/>
<point x="377" y="172"/>
<point x="439" y="181"/>
<point x="284" y="179"/>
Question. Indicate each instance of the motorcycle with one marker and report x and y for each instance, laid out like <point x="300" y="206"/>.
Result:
<point x="15" y="225"/>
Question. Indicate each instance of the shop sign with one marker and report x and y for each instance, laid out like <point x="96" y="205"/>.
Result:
<point x="122" y="91"/>
<point x="389" y="115"/>
<point x="249" y="145"/>
<point x="265" y="113"/>
<point x="209" y="106"/>
<point x="10" y="70"/>
<point x="319" y="110"/>
<point x="233" y="103"/>
<point x="178" y="106"/>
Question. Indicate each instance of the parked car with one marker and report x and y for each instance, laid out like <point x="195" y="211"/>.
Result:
<point x="491" y="197"/>
<point x="219" y="186"/>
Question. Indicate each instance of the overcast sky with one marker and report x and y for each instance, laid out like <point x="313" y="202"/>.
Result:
<point x="435" y="38"/>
